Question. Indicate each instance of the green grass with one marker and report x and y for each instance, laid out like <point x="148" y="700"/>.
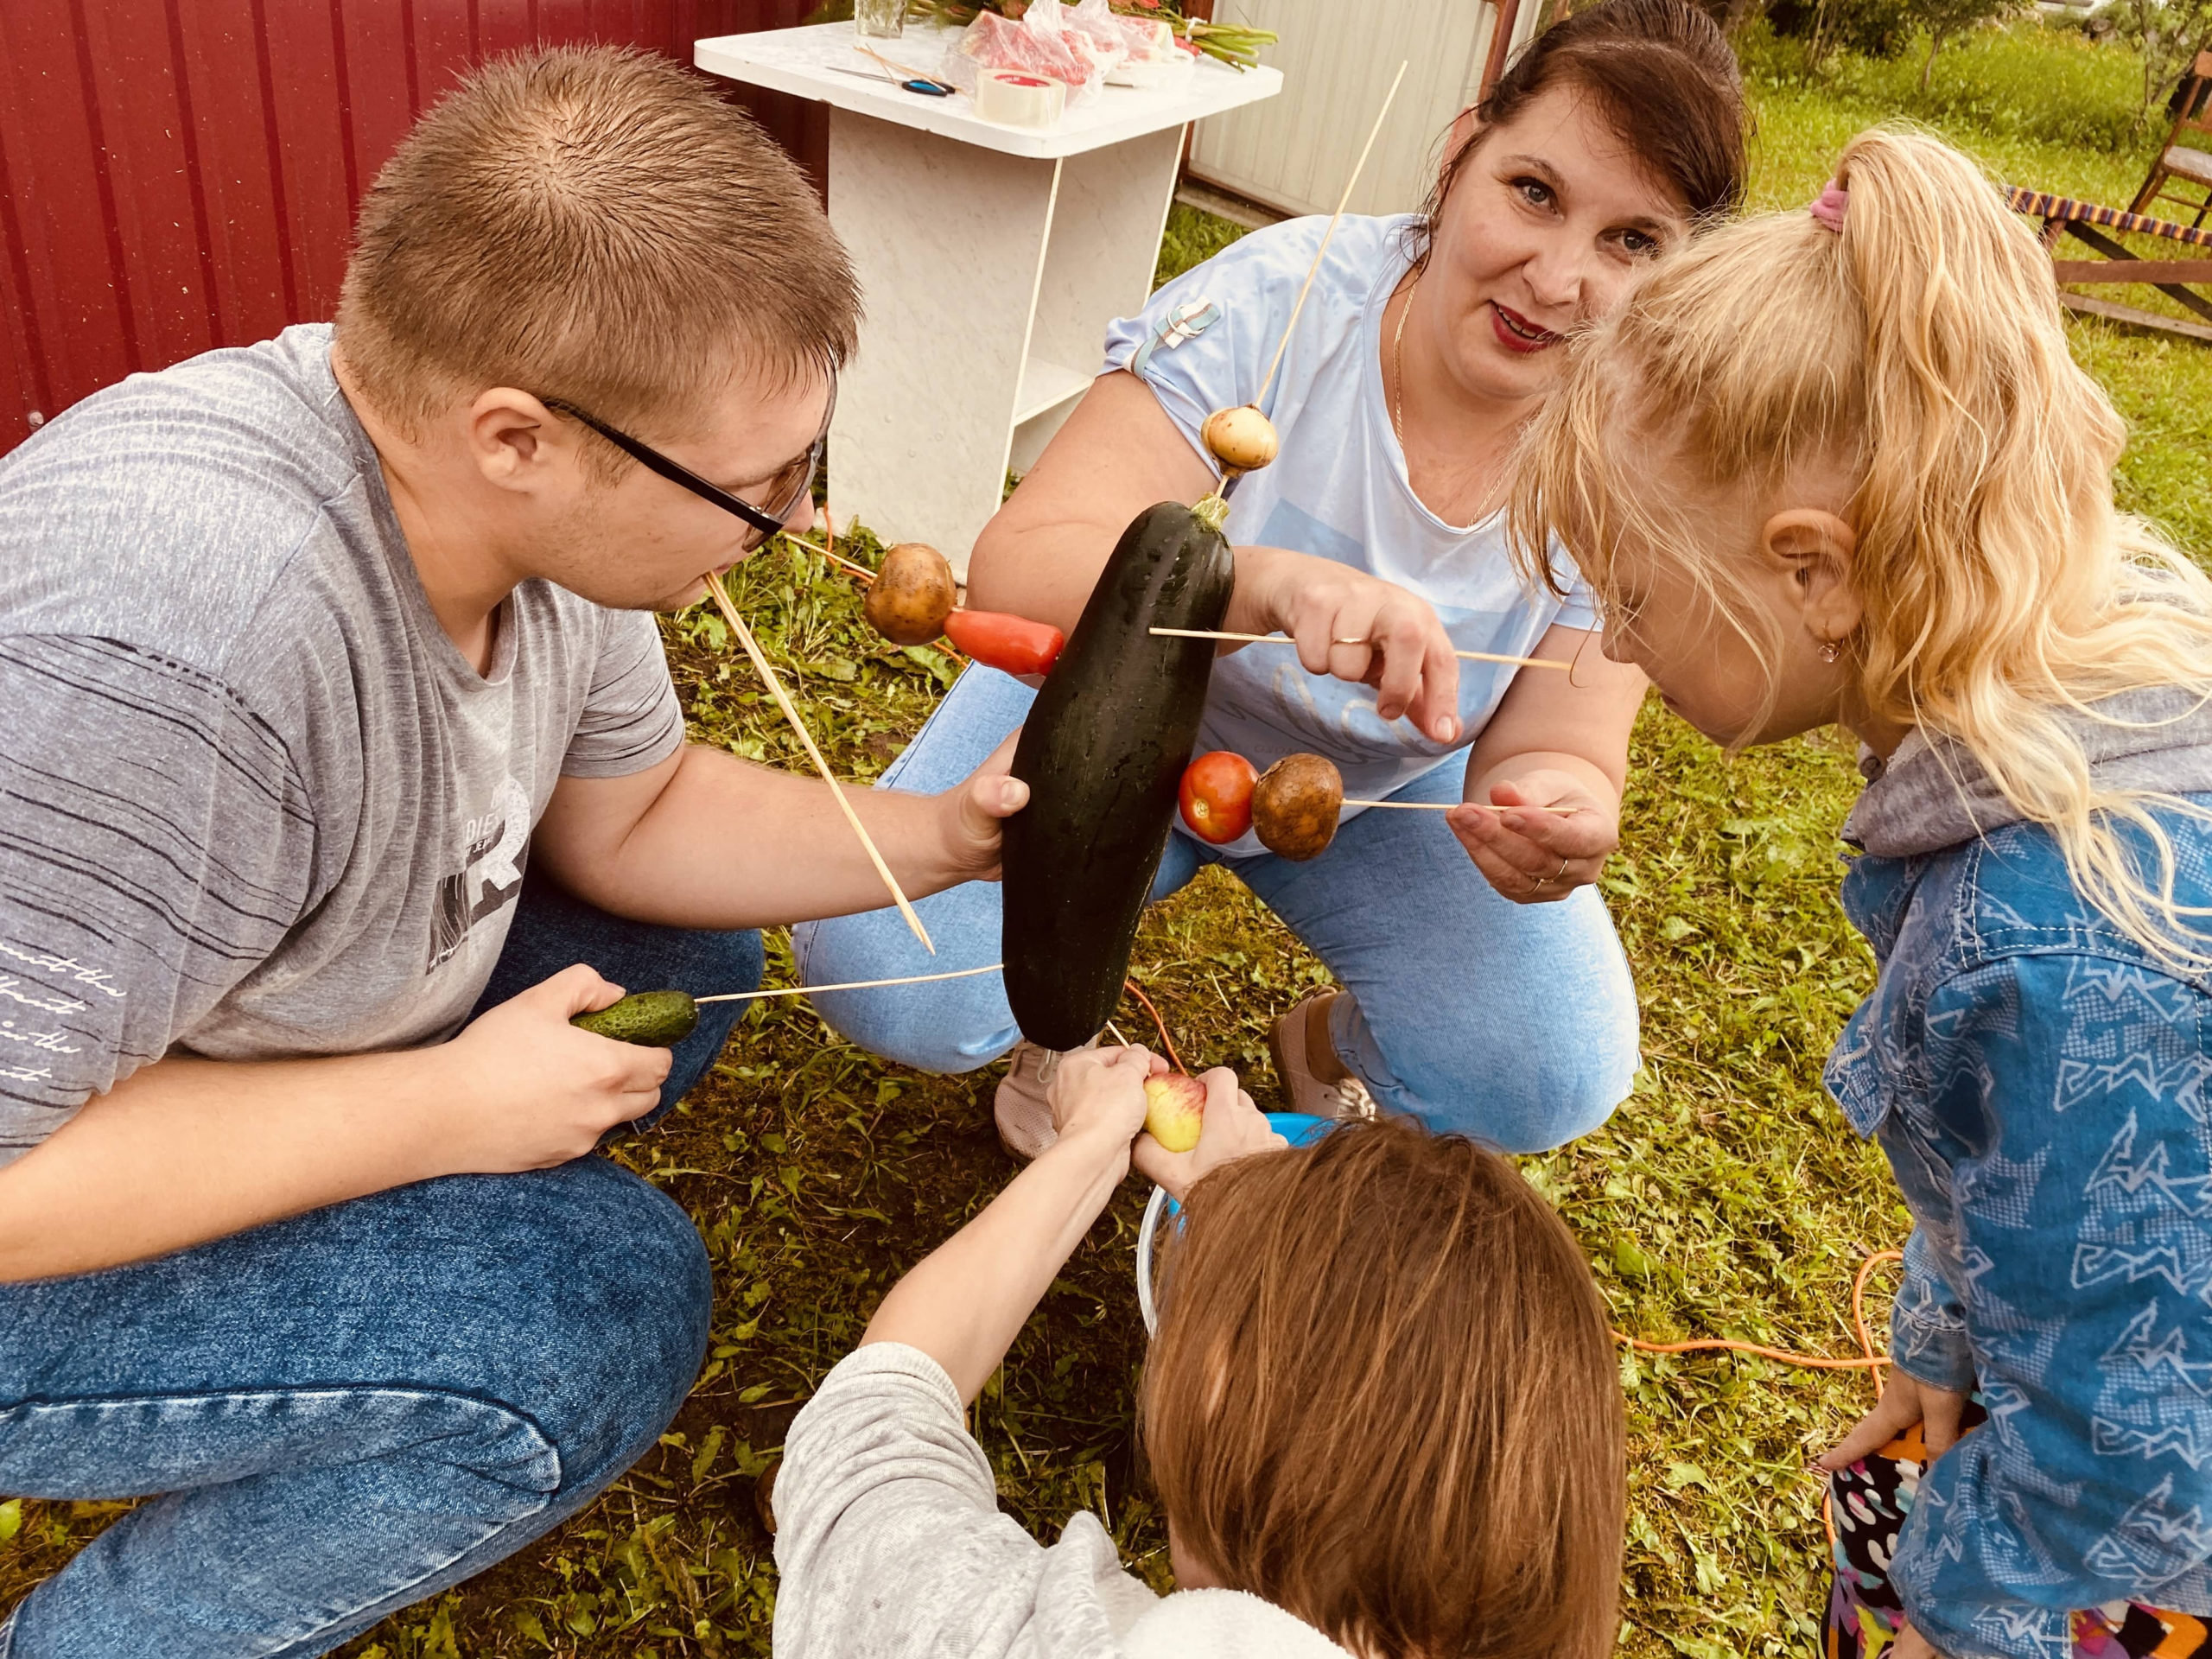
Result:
<point x="1726" y="1199"/>
<point x="1191" y="238"/>
<point x="2023" y="80"/>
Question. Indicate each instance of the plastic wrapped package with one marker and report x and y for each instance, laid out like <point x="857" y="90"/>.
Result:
<point x="1038" y="45"/>
<point x="1095" y="20"/>
<point x="1149" y="55"/>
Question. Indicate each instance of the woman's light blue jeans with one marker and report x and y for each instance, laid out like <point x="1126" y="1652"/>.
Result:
<point x="1516" y="1024"/>
<point x="355" y="1409"/>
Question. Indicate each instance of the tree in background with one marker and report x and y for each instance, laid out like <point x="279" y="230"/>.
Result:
<point x="1874" y="28"/>
<point x="1945" y="20"/>
<point x="2167" y="34"/>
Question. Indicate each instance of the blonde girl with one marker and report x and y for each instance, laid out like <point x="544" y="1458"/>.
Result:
<point x="1837" y="467"/>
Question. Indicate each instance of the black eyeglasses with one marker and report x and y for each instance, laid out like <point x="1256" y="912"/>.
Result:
<point x="791" y="485"/>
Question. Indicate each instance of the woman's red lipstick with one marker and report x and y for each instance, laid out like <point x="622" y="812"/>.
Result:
<point x="1515" y="332"/>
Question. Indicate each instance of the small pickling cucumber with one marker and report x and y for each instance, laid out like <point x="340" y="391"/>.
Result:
<point x="651" y="1019"/>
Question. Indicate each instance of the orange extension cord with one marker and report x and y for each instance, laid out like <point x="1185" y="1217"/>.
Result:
<point x="1166" y="1041"/>
<point x="1871" y="1363"/>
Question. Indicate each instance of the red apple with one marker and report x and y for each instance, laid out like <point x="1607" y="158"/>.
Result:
<point x="1174" y="1107"/>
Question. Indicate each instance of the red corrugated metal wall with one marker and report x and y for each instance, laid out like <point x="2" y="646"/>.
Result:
<point x="179" y="175"/>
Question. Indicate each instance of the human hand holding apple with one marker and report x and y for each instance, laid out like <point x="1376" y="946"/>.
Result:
<point x="1181" y="1126"/>
<point x="1098" y="1095"/>
<point x="1194" y="1125"/>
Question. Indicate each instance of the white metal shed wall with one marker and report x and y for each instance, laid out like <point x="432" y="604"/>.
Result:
<point x="1338" y="56"/>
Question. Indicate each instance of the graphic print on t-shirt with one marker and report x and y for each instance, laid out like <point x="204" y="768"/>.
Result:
<point x="488" y="878"/>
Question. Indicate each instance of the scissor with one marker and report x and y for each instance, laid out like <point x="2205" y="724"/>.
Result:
<point x="914" y="82"/>
<point x="926" y="88"/>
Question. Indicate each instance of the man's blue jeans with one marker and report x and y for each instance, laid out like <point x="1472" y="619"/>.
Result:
<point x="1513" y="1023"/>
<point x="356" y="1408"/>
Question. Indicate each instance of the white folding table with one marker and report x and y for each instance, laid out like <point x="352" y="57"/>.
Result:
<point x="990" y="258"/>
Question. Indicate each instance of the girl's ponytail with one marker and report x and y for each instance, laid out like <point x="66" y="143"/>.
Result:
<point x="1984" y="440"/>
<point x="1908" y="331"/>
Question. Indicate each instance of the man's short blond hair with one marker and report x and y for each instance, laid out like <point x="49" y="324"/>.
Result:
<point x="592" y="224"/>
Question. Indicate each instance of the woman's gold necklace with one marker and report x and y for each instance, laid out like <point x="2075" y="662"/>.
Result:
<point x="1398" y="385"/>
<point x="1398" y="373"/>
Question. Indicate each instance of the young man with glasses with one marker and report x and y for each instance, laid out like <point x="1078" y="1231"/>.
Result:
<point x="308" y="651"/>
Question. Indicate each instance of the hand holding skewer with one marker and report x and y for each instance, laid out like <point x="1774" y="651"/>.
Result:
<point x="1394" y="638"/>
<point x="1528" y="849"/>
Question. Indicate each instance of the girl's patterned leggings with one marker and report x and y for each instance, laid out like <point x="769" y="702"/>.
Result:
<point x="1867" y="1505"/>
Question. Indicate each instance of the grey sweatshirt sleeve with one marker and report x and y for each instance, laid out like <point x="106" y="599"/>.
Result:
<point x="889" y="1539"/>
<point x="155" y="845"/>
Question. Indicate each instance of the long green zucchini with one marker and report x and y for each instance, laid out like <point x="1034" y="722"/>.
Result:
<point x="1102" y="752"/>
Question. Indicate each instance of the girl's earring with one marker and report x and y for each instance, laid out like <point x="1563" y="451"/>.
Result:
<point x="1830" y="649"/>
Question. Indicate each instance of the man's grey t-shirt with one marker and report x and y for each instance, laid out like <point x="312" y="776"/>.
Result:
<point x="253" y="801"/>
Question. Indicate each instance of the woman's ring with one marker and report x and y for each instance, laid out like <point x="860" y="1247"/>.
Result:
<point x="1538" y="883"/>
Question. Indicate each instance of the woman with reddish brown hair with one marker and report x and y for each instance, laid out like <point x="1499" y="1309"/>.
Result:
<point x="1481" y="986"/>
<point x="1382" y="1414"/>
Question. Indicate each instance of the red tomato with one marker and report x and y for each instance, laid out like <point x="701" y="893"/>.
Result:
<point x="1013" y="645"/>
<point x="1217" y="796"/>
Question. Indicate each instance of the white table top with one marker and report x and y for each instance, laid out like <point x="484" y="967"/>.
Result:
<point x="799" y="60"/>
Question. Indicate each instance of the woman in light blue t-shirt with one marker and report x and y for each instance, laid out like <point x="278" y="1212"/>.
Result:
<point x="1483" y="987"/>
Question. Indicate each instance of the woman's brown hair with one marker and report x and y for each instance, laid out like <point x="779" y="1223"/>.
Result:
<point x="1383" y="1397"/>
<point x="1663" y="78"/>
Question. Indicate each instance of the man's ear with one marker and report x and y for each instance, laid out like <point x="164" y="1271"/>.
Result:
<point x="1816" y="549"/>
<point x="512" y="437"/>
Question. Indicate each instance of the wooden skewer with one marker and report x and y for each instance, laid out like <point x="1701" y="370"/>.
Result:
<point x="1285" y="639"/>
<point x="911" y="74"/>
<point x="832" y="554"/>
<point x="1357" y="167"/>
<point x="1453" y="806"/>
<point x="1242" y="446"/>
<point x="850" y="985"/>
<point x="791" y="713"/>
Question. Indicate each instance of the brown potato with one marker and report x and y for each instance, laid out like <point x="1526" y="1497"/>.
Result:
<point x="1240" y="438"/>
<point x="913" y="593"/>
<point x="1294" y="806"/>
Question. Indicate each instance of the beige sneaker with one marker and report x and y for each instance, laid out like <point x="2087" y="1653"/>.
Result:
<point x="1314" y="1081"/>
<point x="1024" y="1116"/>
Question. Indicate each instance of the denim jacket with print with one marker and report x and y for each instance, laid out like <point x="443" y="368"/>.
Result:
<point x="2039" y="1083"/>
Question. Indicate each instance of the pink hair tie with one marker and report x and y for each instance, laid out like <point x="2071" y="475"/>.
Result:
<point x="1828" y="206"/>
